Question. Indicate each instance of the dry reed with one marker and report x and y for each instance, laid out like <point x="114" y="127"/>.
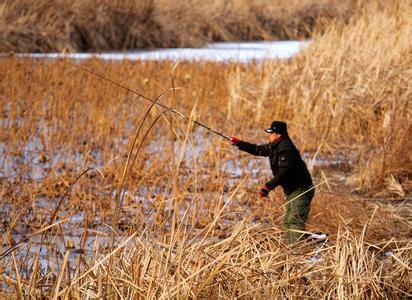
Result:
<point x="91" y="25"/>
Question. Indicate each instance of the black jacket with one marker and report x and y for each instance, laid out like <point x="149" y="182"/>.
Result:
<point x="289" y="170"/>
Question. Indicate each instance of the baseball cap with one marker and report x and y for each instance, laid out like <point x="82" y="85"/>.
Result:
<point x="278" y="127"/>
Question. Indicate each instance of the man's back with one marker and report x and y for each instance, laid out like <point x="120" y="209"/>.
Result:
<point x="286" y="160"/>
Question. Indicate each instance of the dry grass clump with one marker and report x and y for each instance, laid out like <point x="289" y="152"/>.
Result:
<point x="251" y="261"/>
<point x="44" y="26"/>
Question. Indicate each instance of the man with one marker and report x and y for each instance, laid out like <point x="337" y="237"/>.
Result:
<point x="289" y="172"/>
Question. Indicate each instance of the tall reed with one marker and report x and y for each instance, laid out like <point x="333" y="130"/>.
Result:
<point x="91" y="25"/>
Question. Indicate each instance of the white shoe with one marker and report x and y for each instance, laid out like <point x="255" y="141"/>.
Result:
<point x="318" y="236"/>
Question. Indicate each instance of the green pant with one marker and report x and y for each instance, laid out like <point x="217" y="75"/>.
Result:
<point x="297" y="211"/>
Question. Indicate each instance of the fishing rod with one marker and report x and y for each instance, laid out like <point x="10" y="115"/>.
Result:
<point x="149" y="99"/>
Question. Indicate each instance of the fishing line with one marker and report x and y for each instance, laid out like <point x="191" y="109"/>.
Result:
<point x="147" y="98"/>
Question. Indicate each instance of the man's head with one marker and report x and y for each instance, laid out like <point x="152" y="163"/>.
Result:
<point x="276" y="131"/>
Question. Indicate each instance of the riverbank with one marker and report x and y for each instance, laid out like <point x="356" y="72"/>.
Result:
<point x="96" y="26"/>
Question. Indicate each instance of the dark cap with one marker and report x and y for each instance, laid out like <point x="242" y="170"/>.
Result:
<point x="278" y="127"/>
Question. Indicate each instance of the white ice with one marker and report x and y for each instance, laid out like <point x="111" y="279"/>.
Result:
<point x="220" y="52"/>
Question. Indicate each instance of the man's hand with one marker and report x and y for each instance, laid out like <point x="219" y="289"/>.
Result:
<point x="234" y="140"/>
<point x="264" y="192"/>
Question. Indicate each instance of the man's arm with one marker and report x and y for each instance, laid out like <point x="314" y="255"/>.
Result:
<point x="258" y="150"/>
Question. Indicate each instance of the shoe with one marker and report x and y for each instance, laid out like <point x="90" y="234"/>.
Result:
<point x="318" y="237"/>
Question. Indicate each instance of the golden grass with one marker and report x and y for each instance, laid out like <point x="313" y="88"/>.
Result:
<point x="190" y="224"/>
<point x="44" y="26"/>
<point x="249" y="263"/>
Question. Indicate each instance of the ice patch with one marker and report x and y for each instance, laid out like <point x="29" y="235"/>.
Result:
<point x="220" y="52"/>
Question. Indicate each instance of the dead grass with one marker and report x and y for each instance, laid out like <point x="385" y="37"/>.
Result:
<point x="190" y="224"/>
<point x="92" y="25"/>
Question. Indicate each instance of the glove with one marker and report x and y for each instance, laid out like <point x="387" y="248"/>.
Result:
<point x="234" y="141"/>
<point x="264" y="192"/>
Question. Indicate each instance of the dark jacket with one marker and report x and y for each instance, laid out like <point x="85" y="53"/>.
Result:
<point x="289" y="170"/>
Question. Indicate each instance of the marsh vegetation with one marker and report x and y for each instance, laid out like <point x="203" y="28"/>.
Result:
<point x="104" y="195"/>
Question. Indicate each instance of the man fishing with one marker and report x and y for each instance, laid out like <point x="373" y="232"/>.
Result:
<point x="289" y="172"/>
